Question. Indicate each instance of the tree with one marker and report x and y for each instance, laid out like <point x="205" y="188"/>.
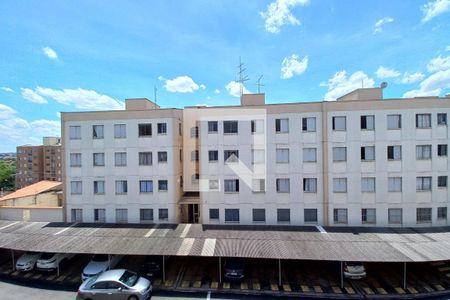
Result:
<point x="7" y="175"/>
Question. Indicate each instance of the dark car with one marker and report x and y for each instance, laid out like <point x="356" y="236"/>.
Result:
<point x="234" y="269"/>
<point x="151" y="268"/>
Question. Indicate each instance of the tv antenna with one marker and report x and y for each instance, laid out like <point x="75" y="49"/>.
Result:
<point x="259" y="84"/>
<point x="242" y="77"/>
<point x="155" y="91"/>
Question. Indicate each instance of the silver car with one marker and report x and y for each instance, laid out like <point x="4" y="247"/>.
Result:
<point x="115" y="284"/>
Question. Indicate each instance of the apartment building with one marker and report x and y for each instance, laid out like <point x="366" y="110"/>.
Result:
<point x="37" y="163"/>
<point x="122" y="166"/>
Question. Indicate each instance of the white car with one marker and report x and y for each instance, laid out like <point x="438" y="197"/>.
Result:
<point x="51" y="261"/>
<point x="99" y="264"/>
<point x="354" y="270"/>
<point x="27" y="261"/>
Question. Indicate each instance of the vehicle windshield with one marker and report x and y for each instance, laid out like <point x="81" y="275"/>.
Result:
<point x="47" y="255"/>
<point x="235" y="264"/>
<point x="354" y="263"/>
<point x="100" y="257"/>
<point x="129" y="278"/>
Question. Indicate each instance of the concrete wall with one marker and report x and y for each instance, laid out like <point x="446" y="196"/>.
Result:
<point x="45" y="199"/>
<point x="32" y="214"/>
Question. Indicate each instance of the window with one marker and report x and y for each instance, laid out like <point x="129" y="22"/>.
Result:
<point x="368" y="216"/>
<point x="442" y="119"/>
<point x="195" y="155"/>
<point x="339" y="123"/>
<point x="283" y="215"/>
<point x="77" y="215"/>
<point x="231" y="185"/>
<point x="257" y="126"/>
<point x="310" y="185"/>
<point x="163" y="185"/>
<point x="120" y="159"/>
<point x="368" y="184"/>
<point x="195" y="178"/>
<point x="395" y="216"/>
<point x="99" y="215"/>
<point x="232" y="215"/>
<point x="258" y="185"/>
<point x="423" y="183"/>
<point x="194" y="132"/>
<point x="146" y="215"/>
<point x="282" y="156"/>
<point x="145" y="158"/>
<point x="212" y="127"/>
<point x="145" y="130"/>
<point x="162" y="157"/>
<point x="423" y="151"/>
<point x="75" y="159"/>
<point x="442" y="150"/>
<point x="258" y="156"/>
<point x="230" y="127"/>
<point x="120" y="131"/>
<point x="121" y="215"/>
<point x="213" y="155"/>
<point x="423" y="215"/>
<point x="442" y="181"/>
<point x="74" y="132"/>
<point x="309" y="154"/>
<point x="213" y="184"/>
<point x="180" y="129"/>
<point x="283" y="185"/>
<point x="75" y="187"/>
<point x="99" y="187"/>
<point x="368" y="122"/>
<point x="368" y="153"/>
<point x="339" y="154"/>
<point x="214" y="214"/>
<point x="146" y="186"/>
<point x="394" y="152"/>
<point x="97" y="131"/>
<point x="394" y="122"/>
<point x="394" y="184"/>
<point x="99" y="159"/>
<point x="121" y="187"/>
<point x="442" y="213"/>
<point x="310" y="215"/>
<point x="230" y="156"/>
<point x="309" y="124"/>
<point x="259" y="215"/>
<point x="340" y="185"/>
<point x="340" y="216"/>
<point x="162" y="128"/>
<point x="423" y="120"/>
<point x="282" y="125"/>
<point x="163" y="214"/>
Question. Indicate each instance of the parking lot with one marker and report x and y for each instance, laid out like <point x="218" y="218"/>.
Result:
<point x="298" y="278"/>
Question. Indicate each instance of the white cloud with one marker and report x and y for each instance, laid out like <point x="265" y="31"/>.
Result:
<point x="32" y="96"/>
<point x="202" y="86"/>
<point x="7" y="89"/>
<point x="439" y="63"/>
<point x="278" y="13"/>
<point x="380" y="23"/>
<point x="383" y="72"/>
<point x="434" y="8"/>
<point x="6" y="112"/>
<point x="340" y="84"/>
<point x="292" y="65"/>
<point x="43" y="128"/>
<point x="412" y="78"/>
<point x="180" y="84"/>
<point x="50" y="53"/>
<point x="234" y="90"/>
<point x="447" y="48"/>
<point x="217" y="91"/>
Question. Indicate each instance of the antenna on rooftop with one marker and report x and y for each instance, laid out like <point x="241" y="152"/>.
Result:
<point x="242" y="77"/>
<point x="259" y="84"/>
<point x="155" y="91"/>
<point x="383" y="85"/>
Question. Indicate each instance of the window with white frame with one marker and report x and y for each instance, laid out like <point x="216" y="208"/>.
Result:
<point x="163" y="185"/>
<point x="213" y="184"/>
<point x="423" y="120"/>
<point x="121" y="187"/>
<point x="339" y="185"/>
<point x="394" y="122"/>
<point x="162" y="157"/>
<point x="121" y="215"/>
<point x="340" y="216"/>
<point x="99" y="159"/>
<point x="195" y="131"/>
<point x="258" y="156"/>
<point x="423" y="183"/>
<point x="394" y="152"/>
<point x="423" y="152"/>
<point x="339" y="123"/>
<point x="310" y="185"/>
<point x="99" y="187"/>
<point x="120" y="131"/>
<point x="212" y="126"/>
<point x="309" y="154"/>
<point x="442" y="149"/>
<point x="257" y="126"/>
<point x="75" y="159"/>
<point x="162" y="128"/>
<point x="258" y="185"/>
<point x="97" y="131"/>
<point x="99" y="215"/>
<point x="442" y="119"/>
<point x="442" y="213"/>
<point x="213" y="155"/>
<point x="120" y="159"/>
<point x="76" y="214"/>
<point x="368" y="153"/>
<point x="310" y="215"/>
<point x="282" y="155"/>
<point x="145" y="130"/>
<point x="145" y="158"/>
<point x="146" y="215"/>
<point x="195" y="178"/>
<point x="214" y="214"/>
<point x="195" y="155"/>
<point x="283" y="185"/>
<point x="368" y="215"/>
<point x="231" y="156"/>
<point x="146" y="186"/>
<point x="395" y="215"/>
<point x="230" y="127"/>
<point x="442" y="181"/>
<point x="76" y="187"/>
<point x="368" y="122"/>
<point x="339" y="154"/>
<point x="259" y="215"/>
<point x="75" y="132"/>
<point x="283" y="215"/>
<point x="282" y="125"/>
<point x="394" y="184"/>
<point x="232" y="215"/>
<point x="368" y="184"/>
<point x="423" y="215"/>
<point x="163" y="214"/>
<point x="231" y="185"/>
<point x="309" y="124"/>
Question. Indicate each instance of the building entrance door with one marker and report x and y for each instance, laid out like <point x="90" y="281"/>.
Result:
<point x="193" y="213"/>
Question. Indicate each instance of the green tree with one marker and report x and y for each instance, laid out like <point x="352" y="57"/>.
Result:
<point x="7" y="175"/>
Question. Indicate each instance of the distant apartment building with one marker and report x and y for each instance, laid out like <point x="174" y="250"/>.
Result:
<point x="359" y="161"/>
<point x="37" y="163"/>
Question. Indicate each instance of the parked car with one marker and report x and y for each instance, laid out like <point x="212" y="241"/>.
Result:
<point x="100" y="263"/>
<point x="115" y="284"/>
<point x="27" y="261"/>
<point x="354" y="270"/>
<point x="151" y="267"/>
<point x="234" y="269"/>
<point x="51" y="261"/>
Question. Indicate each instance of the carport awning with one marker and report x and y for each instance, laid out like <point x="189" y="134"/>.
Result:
<point x="274" y="242"/>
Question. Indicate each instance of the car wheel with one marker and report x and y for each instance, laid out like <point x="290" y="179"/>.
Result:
<point x="133" y="297"/>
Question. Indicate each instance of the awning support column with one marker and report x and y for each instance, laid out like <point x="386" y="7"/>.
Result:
<point x="13" y="262"/>
<point x="342" y="275"/>
<point x="404" y="275"/>
<point x="279" y="272"/>
<point x="57" y="268"/>
<point x="220" y="269"/>
<point x="164" y="268"/>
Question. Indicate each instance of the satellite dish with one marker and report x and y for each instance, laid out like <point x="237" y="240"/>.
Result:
<point x="383" y="85"/>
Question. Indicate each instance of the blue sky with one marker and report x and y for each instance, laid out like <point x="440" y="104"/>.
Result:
<point x="91" y="55"/>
